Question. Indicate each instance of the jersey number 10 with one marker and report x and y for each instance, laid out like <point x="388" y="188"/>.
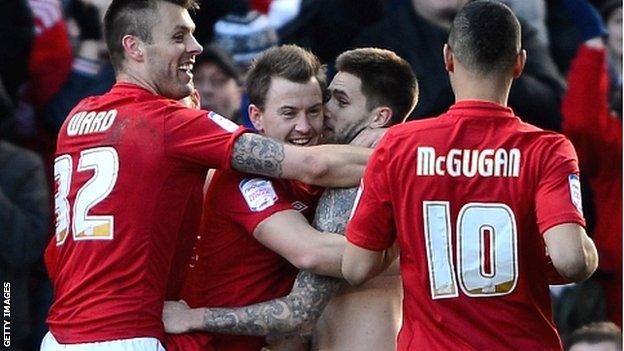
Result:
<point x="486" y="244"/>
<point x="104" y="163"/>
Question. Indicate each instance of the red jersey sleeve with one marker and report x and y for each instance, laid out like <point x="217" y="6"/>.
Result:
<point x="558" y="196"/>
<point x="372" y="224"/>
<point x="249" y="200"/>
<point x="200" y="137"/>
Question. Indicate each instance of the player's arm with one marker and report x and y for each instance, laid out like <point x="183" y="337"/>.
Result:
<point x="324" y="165"/>
<point x="360" y="265"/>
<point x="572" y="251"/>
<point x="289" y="234"/>
<point x="289" y="314"/>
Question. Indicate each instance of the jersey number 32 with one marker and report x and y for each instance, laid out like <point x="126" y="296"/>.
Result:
<point x="104" y="162"/>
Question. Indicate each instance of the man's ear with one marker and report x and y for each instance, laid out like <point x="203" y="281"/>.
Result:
<point x="449" y="62"/>
<point x="133" y="47"/>
<point x="520" y="62"/>
<point x="255" y="116"/>
<point x="381" y="117"/>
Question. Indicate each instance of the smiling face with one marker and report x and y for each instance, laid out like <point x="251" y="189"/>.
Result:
<point x="170" y="57"/>
<point x="346" y="113"/>
<point x="293" y="112"/>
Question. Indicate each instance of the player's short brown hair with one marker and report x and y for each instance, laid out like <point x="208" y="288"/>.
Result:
<point x="387" y="79"/>
<point x="290" y="62"/>
<point x="595" y="333"/>
<point x="486" y="37"/>
<point x="133" y="17"/>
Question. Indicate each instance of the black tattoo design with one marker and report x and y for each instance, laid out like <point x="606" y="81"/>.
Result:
<point x="299" y="310"/>
<point x="333" y="210"/>
<point x="288" y="314"/>
<point x="257" y="154"/>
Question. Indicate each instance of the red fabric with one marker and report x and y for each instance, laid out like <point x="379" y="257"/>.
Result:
<point x="597" y="136"/>
<point x="230" y="267"/>
<point x="261" y="6"/>
<point x="51" y="56"/>
<point x="450" y="302"/>
<point x="114" y="288"/>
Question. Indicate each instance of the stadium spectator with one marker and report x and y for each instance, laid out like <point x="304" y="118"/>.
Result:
<point x="17" y="33"/>
<point x="129" y="171"/>
<point x="219" y="83"/>
<point x="473" y="198"/>
<point x="417" y="31"/>
<point x="24" y="224"/>
<point x="91" y="71"/>
<point x="596" y="132"/>
<point x="601" y="336"/>
<point x="373" y="89"/>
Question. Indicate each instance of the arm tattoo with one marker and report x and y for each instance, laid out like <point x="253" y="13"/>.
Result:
<point x="287" y="314"/>
<point x="333" y="210"/>
<point x="310" y="294"/>
<point x="254" y="153"/>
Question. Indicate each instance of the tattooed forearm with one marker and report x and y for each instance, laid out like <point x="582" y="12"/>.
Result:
<point x="254" y="153"/>
<point x="288" y="314"/>
<point x="310" y="294"/>
<point x="333" y="210"/>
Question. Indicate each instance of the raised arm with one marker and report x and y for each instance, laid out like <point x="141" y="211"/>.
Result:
<point x="323" y="165"/>
<point x="288" y="314"/>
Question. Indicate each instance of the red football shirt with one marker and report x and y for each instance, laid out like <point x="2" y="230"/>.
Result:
<point x="230" y="268"/>
<point x="468" y="195"/>
<point x="129" y="171"/>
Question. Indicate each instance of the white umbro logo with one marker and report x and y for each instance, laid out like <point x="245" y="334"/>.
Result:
<point x="299" y="206"/>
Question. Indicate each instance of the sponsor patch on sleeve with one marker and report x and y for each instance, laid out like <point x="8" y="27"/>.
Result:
<point x="223" y="122"/>
<point x="258" y="193"/>
<point x="575" y="192"/>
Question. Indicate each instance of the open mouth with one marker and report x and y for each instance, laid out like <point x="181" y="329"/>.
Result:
<point x="299" y="141"/>
<point x="187" y="68"/>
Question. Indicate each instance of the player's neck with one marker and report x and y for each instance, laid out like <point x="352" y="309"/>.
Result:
<point x="493" y="90"/>
<point x="131" y="77"/>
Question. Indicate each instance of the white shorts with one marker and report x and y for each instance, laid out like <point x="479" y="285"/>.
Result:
<point x="49" y="343"/>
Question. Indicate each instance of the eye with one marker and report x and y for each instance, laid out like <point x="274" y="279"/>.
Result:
<point x="288" y="113"/>
<point x="343" y="103"/>
<point x="179" y="38"/>
<point x="314" y="112"/>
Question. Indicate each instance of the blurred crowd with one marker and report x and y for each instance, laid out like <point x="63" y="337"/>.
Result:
<point x="54" y="55"/>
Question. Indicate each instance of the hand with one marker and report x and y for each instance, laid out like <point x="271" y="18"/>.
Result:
<point x="369" y="137"/>
<point x="176" y="317"/>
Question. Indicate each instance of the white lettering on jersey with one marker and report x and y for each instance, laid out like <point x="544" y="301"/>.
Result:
<point x="223" y="122"/>
<point x="87" y="122"/>
<point x="468" y="163"/>
<point x="258" y="193"/>
<point x="575" y="192"/>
